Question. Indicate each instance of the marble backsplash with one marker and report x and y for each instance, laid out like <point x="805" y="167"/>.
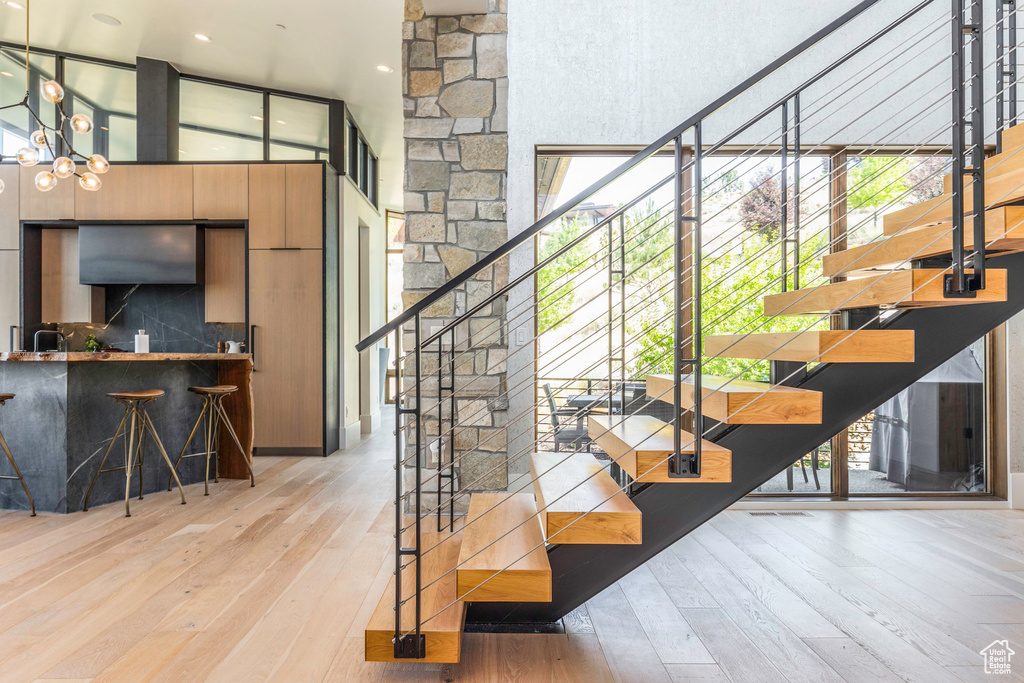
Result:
<point x="172" y="316"/>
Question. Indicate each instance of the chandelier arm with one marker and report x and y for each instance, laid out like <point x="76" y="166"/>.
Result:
<point x="28" y="81"/>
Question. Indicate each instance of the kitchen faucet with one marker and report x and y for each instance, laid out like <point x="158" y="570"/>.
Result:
<point x="61" y="339"/>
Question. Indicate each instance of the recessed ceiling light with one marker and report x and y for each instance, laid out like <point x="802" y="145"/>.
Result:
<point x="181" y="151"/>
<point x="384" y="68"/>
<point x="15" y="5"/>
<point x="256" y="117"/>
<point x="280" y="122"/>
<point x="107" y="19"/>
<point x="202" y="37"/>
<point x="6" y="73"/>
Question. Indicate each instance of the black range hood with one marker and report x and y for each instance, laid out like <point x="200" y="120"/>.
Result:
<point x="140" y="254"/>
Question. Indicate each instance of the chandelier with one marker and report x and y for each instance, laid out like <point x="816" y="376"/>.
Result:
<point x="45" y="138"/>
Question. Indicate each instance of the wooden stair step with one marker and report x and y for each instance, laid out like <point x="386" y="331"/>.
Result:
<point x="1008" y="161"/>
<point x="999" y="190"/>
<point x="503" y="558"/>
<point x="641" y="445"/>
<point x="443" y="632"/>
<point x="1004" y="231"/>
<point x="915" y="288"/>
<point x="817" y="346"/>
<point x="1013" y="137"/>
<point x="740" y="401"/>
<point x="579" y="502"/>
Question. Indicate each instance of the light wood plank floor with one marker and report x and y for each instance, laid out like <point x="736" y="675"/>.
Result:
<point x="276" y="583"/>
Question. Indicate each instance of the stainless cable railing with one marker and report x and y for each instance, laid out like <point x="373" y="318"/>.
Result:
<point x="627" y="283"/>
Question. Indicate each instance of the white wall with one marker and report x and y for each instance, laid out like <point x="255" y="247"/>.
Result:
<point x="359" y="415"/>
<point x="607" y="72"/>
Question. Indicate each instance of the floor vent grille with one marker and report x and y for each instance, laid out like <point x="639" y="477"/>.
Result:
<point x="793" y="514"/>
<point x="763" y="514"/>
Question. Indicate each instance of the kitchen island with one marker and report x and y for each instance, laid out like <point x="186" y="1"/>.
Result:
<point x="61" y="421"/>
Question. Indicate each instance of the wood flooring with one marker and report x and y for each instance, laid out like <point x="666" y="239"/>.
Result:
<point x="277" y="583"/>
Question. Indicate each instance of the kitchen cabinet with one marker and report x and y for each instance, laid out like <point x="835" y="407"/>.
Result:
<point x="57" y="204"/>
<point x="64" y="300"/>
<point x="220" y="191"/>
<point x="10" y="296"/>
<point x="9" y="207"/>
<point x="304" y="215"/>
<point x="224" y="291"/>
<point x="286" y="204"/>
<point x="286" y="312"/>
<point x="138" y="192"/>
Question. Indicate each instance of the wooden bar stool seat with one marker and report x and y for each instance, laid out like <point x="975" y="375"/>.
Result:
<point x="216" y="416"/>
<point x="4" y="398"/>
<point x="148" y="395"/>
<point x="135" y="415"/>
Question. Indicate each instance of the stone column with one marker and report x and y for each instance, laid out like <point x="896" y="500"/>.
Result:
<point x="455" y="81"/>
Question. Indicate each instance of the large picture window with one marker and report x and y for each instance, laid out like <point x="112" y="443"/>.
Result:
<point x="930" y="439"/>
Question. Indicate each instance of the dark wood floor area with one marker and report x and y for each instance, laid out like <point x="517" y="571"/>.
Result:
<point x="276" y="583"/>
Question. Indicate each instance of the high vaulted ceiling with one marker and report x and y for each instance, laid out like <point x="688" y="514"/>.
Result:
<point x="329" y="48"/>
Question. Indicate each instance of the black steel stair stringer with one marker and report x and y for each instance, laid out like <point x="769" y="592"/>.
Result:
<point x="670" y="511"/>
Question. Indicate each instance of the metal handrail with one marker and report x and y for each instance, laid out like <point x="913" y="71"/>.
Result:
<point x="413" y="311"/>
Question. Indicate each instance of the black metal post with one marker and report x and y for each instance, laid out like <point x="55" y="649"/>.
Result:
<point x="1006" y="68"/>
<point x="676" y="465"/>
<point x="784" y="199"/>
<point x="622" y="315"/>
<point x="698" y="292"/>
<point x="796" y="191"/>
<point x="413" y="644"/>
<point x="959" y="284"/>
<point x="680" y="466"/>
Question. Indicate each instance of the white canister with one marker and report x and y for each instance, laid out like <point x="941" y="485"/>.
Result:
<point x="142" y="342"/>
<point x="234" y="347"/>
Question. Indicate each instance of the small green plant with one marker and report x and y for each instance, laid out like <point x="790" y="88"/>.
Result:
<point x="92" y="344"/>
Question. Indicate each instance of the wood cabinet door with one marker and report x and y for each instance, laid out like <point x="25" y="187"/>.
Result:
<point x="135" y="192"/>
<point x="224" y="291"/>
<point x="267" y="206"/>
<point x="305" y="206"/>
<point x="64" y="300"/>
<point x="10" y="235"/>
<point x="10" y="296"/>
<point x="286" y="308"/>
<point x="220" y="191"/>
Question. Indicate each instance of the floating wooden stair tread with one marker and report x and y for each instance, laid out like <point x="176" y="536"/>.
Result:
<point x="1008" y="161"/>
<point x="503" y="558"/>
<point x="740" y="401"/>
<point x="443" y="632"/>
<point x="916" y="288"/>
<point x="641" y="444"/>
<point x="579" y="502"/>
<point x="1013" y="137"/>
<point x="817" y="346"/>
<point x="1000" y="189"/>
<point x="1004" y="231"/>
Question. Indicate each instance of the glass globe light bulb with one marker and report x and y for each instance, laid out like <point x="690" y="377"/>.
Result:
<point x="40" y="140"/>
<point x="81" y="124"/>
<point x="63" y="167"/>
<point x="27" y="156"/>
<point x="2" y="186"/>
<point x="45" y="181"/>
<point x="98" y="164"/>
<point x="90" y="182"/>
<point x="52" y="92"/>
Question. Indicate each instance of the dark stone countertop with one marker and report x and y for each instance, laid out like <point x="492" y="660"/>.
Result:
<point x="28" y="356"/>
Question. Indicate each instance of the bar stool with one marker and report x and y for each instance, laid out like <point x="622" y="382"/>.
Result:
<point x="4" y="398"/>
<point x="135" y="403"/>
<point x="215" y="414"/>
